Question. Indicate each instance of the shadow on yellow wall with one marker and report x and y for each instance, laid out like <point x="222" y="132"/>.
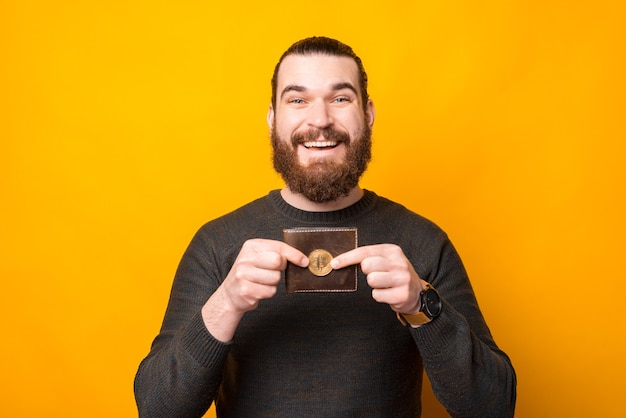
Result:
<point x="126" y="125"/>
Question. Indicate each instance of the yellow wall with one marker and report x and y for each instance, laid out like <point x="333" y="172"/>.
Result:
<point x="125" y="125"/>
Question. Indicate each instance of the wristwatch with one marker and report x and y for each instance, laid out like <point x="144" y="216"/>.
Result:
<point x="430" y="308"/>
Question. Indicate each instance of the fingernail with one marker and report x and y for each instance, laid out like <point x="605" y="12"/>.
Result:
<point x="334" y="263"/>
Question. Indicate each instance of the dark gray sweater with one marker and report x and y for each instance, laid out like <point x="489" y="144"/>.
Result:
<point x="323" y="354"/>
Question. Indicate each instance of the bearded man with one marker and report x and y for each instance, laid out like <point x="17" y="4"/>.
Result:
<point x="269" y="315"/>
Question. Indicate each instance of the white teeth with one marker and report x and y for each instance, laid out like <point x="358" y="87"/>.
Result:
<point x="320" y="144"/>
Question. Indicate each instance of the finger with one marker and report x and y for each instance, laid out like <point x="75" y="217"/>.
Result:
<point x="392" y="297"/>
<point x="290" y="253"/>
<point x="356" y="256"/>
<point x="269" y="260"/>
<point x="286" y="251"/>
<point x="349" y="258"/>
<point x="376" y="263"/>
<point x="380" y="280"/>
<point x="258" y="268"/>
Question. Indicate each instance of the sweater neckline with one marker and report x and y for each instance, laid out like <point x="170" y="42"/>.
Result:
<point x="363" y="205"/>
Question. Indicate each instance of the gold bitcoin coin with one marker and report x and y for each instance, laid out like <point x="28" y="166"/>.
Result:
<point x="319" y="262"/>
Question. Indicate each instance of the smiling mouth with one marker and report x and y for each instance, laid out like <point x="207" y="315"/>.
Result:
<point x="320" y="144"/>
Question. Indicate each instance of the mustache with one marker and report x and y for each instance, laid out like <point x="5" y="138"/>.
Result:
<point x="312" y="134"/>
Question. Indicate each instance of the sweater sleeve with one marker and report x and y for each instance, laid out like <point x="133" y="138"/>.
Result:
<point x="182" y="373"/>
<point x="470" y="375"/>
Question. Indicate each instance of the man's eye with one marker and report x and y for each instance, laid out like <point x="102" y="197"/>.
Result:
<point x="342" y="100"/>
<point x="296" y="101"/>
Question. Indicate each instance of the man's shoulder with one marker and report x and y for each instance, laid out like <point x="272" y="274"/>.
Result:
<point x="231" y="229"/>
<point x="396" y="213"/>
<point x="245" y="214"/>
<point x="400" y="209"/>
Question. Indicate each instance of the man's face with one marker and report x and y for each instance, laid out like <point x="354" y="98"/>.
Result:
<point x="320" y="134"/>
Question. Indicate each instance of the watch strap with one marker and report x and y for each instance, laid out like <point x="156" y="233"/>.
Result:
<point x="415" y="320"/>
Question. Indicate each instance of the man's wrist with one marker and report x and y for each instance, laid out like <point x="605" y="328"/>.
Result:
<point x="220" y="317"/>
<point x="429" y="308"/>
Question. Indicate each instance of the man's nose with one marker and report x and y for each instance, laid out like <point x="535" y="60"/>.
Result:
<point x="320" y="115"/>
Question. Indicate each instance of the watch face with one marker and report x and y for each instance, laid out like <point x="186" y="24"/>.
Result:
<point x="432" y="303"/>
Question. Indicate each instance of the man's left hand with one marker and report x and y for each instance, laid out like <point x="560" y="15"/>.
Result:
<point x="389" y="273"/>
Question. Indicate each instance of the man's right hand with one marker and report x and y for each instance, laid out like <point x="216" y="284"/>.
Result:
<point x="254" y="276"/>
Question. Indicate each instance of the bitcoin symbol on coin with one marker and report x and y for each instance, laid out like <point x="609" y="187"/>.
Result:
<point x="319" y="262"/>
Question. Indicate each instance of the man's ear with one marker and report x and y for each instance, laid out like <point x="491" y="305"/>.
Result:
<point x="270" y="117"/>
<point x="370" y="113"/>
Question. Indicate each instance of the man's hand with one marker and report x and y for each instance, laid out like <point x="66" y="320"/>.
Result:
<point x="257" y="271"/>
<point x="253" y="277"/>
<point x="389" y="273"/>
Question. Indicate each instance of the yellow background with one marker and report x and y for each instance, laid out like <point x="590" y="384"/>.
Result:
<point x="125" y="125"/>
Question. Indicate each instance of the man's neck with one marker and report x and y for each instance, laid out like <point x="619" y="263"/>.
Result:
<point x="300" y="202"/>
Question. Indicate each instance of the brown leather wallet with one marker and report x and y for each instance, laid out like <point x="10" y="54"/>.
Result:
<point x="321" y="245"/>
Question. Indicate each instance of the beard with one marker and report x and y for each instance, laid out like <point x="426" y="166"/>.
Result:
<point x="322" y="181"/>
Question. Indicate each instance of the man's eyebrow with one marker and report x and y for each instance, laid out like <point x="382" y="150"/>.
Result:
<point x="291" y="87"/>
<point x="335" y="87"/>
<point x="345" y="85"/>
